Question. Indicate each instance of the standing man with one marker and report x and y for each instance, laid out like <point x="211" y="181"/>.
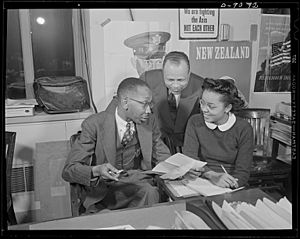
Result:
<point x="123" y="137"/>
<point x="176" y="93"/>
<point x="149" y="48"/>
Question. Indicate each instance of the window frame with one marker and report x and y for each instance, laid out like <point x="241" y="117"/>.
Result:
<point x="26" y="42"/>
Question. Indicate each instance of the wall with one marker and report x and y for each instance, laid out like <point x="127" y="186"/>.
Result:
<point x="240" y="30"/>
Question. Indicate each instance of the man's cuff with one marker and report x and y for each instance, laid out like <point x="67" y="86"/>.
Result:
<point x="94" y="180"/>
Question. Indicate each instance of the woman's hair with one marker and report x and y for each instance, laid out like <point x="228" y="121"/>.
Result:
<point x="227" y="89"/>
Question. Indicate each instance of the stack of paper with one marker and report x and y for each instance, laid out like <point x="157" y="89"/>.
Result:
<point x="264" y="215"/>
<point x="177" y="166"/>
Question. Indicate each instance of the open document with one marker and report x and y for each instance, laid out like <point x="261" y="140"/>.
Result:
<point x="198" y="186"/>
<point x="177" y="166"/>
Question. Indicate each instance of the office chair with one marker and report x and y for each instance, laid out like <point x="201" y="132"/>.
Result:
<point x="259" y="119"/>
<point x="263" y="166"/>
<point x="10" y="139"/>
<point x="76" y="190"/>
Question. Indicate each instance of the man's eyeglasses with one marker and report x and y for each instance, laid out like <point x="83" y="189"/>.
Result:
<point x="145" y="104"/>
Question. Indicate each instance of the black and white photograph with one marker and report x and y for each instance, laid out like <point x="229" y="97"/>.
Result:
<point x="177" y="120"/>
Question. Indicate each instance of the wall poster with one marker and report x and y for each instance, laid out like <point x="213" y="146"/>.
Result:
<point x="224" y="58"/>
<point x="130" y="48"/>
<point x="198" y="23"/>
<point x="274" y="56"/>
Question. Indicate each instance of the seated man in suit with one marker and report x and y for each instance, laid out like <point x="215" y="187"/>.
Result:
<point x="176" y="93"/>
<point x="123" y="137"/>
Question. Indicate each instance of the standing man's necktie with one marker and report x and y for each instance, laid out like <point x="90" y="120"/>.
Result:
<point x="172" y="102"/>
<point x="128" y="135"/>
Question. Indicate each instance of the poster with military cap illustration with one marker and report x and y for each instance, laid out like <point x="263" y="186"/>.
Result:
<point x="131" y="48"/>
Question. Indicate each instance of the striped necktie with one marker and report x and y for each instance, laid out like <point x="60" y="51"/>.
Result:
<point x="128" y="135"/>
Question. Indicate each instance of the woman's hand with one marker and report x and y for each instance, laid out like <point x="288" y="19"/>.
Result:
<point x="223" y="180"/>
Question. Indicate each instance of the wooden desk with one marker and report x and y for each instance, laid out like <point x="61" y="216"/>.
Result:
<point x="161" y="215"/>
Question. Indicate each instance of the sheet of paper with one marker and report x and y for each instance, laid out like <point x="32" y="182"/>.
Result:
<point x="180" y="189"/>
<point x="205" y="187"/>
<point x="164" y="167"/>
<point x="194" y="221"/>
<point x="278" y="210"/>
<point x="180" y="160"/>
<point x="177" y="166"/>
<point x="285" y="203"/>
<point x="150" y="227"/>
<point x="120" y="227"/>
<point x="240" y="221"/>
<point x="177" y="172"/>
<point x="276" y="219"/>
<point x="218" y="210"/>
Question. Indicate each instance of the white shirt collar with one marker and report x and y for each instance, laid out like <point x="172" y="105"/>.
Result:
<point x="226" y="126"/>
<point x="121" y="125"/>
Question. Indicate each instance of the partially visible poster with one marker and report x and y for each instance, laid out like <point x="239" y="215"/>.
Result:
<point x="274" y="57"/>
<point x="225" y="58"/>
<point x="198" y="23"/>
<point x="130" y="48"/>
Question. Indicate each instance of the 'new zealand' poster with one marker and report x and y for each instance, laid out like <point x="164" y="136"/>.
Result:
<point x="225" y="58"/>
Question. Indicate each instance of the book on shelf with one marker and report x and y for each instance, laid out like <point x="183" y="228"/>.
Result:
<point x="284" y="109"/>
<point x="285" y="158"/>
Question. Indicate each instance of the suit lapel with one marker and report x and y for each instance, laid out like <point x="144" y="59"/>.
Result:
<point x="187" y="101"/>
<point x="185" y="108"/>
<point x="145" y="138"/>
<point x="109" y="138"/>
<point x="161" y="95"/>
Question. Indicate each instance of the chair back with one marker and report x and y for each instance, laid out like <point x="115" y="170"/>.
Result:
<point x="259" y="118"/>
<point x="10" y="139"/>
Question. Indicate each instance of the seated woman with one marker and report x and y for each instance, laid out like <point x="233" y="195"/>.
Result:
<point x="220" y="138"/>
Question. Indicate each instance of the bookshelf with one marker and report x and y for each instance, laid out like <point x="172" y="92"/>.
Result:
<point x="281" y="130"/>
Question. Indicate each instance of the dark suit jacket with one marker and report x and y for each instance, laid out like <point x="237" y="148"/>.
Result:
<point x="98" y="138"/>
<point x="188" y="104"/>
